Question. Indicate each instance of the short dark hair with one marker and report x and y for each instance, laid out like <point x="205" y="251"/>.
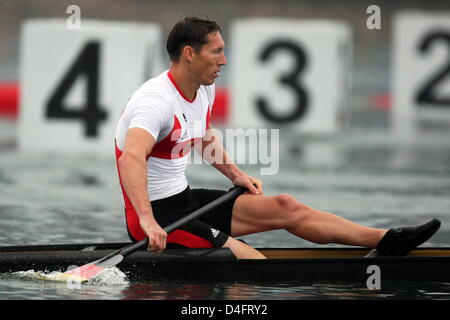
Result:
<point x="191" y="31"/>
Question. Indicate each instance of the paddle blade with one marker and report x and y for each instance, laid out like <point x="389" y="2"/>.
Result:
<point x="67" y="277"/>
<point x="90" y="270"/>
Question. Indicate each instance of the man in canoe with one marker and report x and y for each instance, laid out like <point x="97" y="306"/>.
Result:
<point x="169" y="113"/>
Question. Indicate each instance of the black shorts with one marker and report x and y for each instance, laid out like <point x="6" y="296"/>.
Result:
<point x="208" y="231"/>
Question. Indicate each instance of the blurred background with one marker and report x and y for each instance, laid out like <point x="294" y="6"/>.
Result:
<point x="371" y="61"/>
<point x="364" y="172"/>
<point x="372" y="146"/>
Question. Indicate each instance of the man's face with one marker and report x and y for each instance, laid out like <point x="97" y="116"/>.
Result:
<point x="206" y="63"/>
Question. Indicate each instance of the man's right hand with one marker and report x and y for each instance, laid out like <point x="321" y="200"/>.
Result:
<point x="157" y="237"/>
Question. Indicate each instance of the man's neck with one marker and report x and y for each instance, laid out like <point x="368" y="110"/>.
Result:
<point x="184" y="80"/>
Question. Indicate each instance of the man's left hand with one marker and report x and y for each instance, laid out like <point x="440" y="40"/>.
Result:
<point x="253" y="184"/>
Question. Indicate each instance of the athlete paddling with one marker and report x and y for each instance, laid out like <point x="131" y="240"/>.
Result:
<point x="169" y="113"/>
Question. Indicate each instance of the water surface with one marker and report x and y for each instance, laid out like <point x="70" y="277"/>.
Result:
<point x="369" y="179"/>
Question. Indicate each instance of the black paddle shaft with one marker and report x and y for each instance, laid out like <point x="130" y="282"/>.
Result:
<point x="234" y="192"/>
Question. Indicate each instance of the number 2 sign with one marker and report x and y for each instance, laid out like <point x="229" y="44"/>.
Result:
<point x="421" y="77"/>
<point x="76" y="83"/>
<point x="290" y="73"/>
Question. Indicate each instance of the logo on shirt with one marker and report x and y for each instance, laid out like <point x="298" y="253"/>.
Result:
<point x="185" y="135"/>
<point x="215" y="232"/>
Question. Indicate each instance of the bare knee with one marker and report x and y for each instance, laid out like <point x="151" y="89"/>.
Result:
<point x="288" y="203"/>
<point x="291" y="209"/>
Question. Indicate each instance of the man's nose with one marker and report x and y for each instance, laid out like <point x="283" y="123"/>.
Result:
<point x="223" y="60"/>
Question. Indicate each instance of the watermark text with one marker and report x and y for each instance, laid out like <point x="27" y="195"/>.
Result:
<point x="73" y="22"/>
<point x="374" y="20"/>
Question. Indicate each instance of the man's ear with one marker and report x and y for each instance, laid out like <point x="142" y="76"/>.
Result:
<point x="188" y="53"/>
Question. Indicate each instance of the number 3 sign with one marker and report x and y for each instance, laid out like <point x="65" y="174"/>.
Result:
<point x="76" y="83"/>
<point x="289" y="73"/>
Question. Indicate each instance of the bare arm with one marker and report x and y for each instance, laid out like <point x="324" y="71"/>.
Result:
<point x="133" y="171"/>
<point x="212" y="150"/>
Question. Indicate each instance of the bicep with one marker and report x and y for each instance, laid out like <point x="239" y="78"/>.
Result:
<point x="138" y="142"/>
<point x="148" y="119"/>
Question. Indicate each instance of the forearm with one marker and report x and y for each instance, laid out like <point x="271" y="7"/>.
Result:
<point x="214" y="153"/>
<point x="228" y="169"/>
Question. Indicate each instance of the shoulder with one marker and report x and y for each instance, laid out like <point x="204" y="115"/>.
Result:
<point x="158" y="87"/>
<point x="154" y="93"/>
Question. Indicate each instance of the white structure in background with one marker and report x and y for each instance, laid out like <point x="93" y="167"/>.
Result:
<point x="290" y="74"/>
<point x="75" y="83"/>
<point x="421" y="73"/>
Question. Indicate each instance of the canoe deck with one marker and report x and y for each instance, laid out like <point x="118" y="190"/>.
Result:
<point x="283" y="264"/>
<point x="305" y="253"/>
<point x="271" y="253"/>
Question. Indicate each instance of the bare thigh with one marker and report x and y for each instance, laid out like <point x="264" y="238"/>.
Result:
<point x="252" y="214"/>
<point x="258" y="213"/>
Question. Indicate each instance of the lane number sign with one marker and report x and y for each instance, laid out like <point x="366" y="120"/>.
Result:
<point x="75" y="83"/>
<point x="289" y="73"/>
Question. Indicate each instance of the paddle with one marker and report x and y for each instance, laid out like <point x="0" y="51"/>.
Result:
<point x="90" y="270"/>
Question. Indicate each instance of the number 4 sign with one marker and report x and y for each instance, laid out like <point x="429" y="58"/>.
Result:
<point x="290" y="74"/>
<point x="91" y="114"/>
<point x="76" y="83"/>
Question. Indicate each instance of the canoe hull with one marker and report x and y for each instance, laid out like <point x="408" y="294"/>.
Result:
<point x="219" y="265"/>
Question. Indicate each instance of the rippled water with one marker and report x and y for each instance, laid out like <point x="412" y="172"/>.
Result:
<point x="13" y="287"/>
<point x="369" y="179"/>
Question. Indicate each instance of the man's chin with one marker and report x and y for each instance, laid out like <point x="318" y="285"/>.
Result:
<point x="209" y="82"/>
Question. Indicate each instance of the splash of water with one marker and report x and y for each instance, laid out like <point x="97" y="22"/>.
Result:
<point x="108" y="277"/>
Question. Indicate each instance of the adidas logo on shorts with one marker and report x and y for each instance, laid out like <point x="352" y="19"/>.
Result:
<point x="214" y="232"/>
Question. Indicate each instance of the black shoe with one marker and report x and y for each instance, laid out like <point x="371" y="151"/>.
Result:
<point x="400" y="241"/>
